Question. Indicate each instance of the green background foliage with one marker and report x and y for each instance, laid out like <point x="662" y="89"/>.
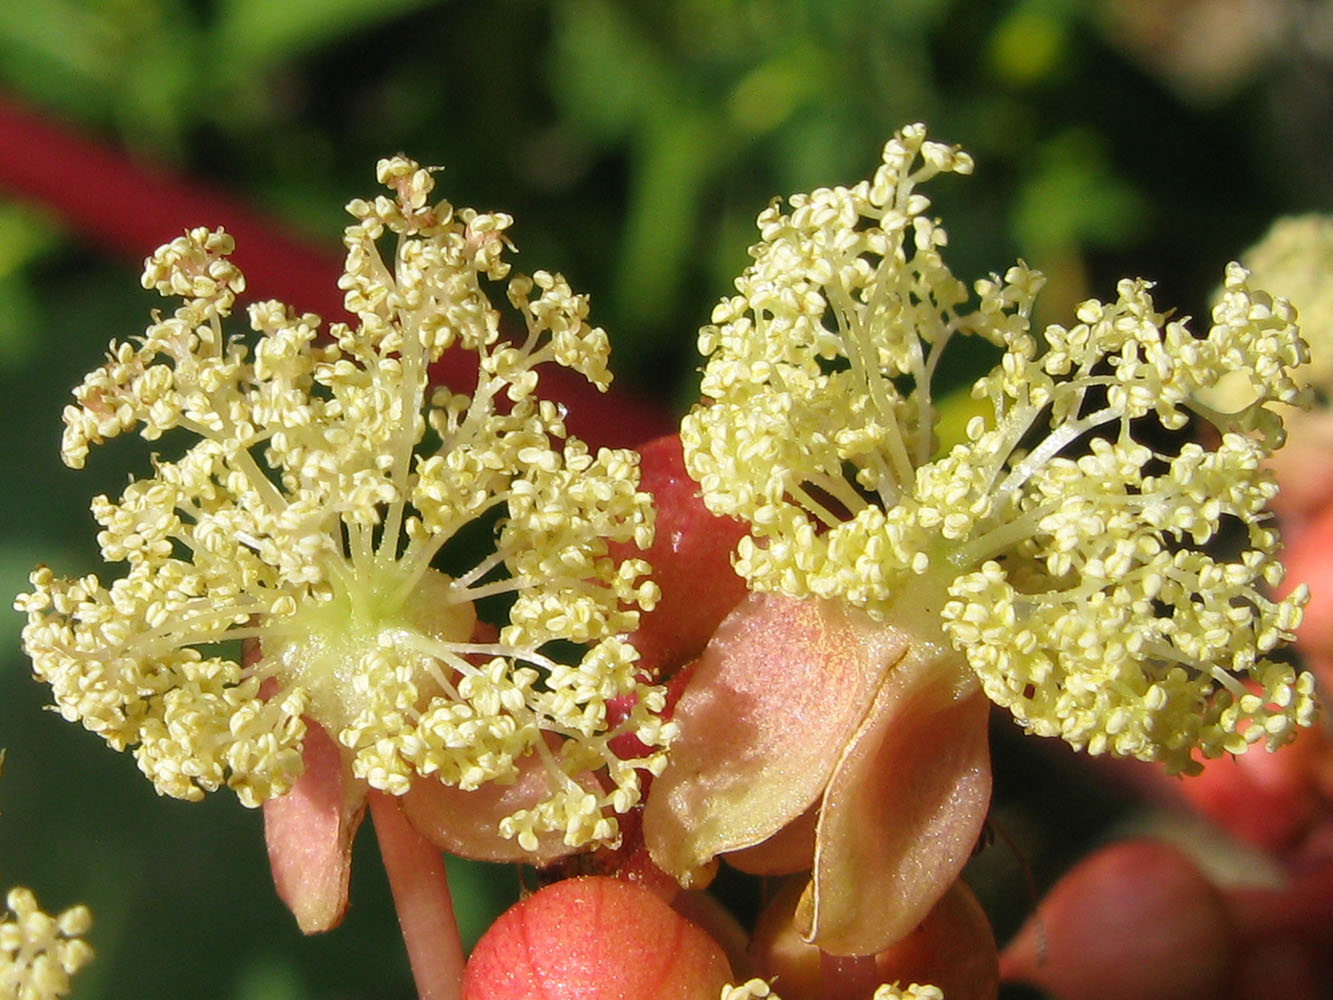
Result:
<point x="634" y="142"/>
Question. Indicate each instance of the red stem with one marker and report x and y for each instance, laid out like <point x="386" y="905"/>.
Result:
<point x="421" y="897"/>
<point x="129" y="207"/>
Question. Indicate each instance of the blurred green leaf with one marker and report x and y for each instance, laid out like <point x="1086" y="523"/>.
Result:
<point x="774" y="90"/>
<point x="606" y="69"/>
<point x="68" y="37"/>
<point x="269" y="977"/>
<point x="1031" y="42"/>
<point x="1073" y="198"/>
<point x="261" y="31"/>
<point x="26" y="236"/>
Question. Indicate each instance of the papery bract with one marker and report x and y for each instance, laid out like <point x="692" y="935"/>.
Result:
<point x="904" y="807"/>
<point x="462" y="821"/>
<point x="798" y="706"/>
<point x="309" y="832"/>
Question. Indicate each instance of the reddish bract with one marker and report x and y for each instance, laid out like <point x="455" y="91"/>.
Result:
<point x="808" y="726"/>
<point x="309" y="834"/>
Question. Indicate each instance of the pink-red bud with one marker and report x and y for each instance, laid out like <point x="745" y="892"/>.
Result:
<point x="1270" y="800"/>
<point x="1308" y="559"/>
<point x="1137" y="919"/>
<point x="691" y="560"/>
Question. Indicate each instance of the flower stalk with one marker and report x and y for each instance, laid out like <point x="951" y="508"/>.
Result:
<point x="421" y="896"/>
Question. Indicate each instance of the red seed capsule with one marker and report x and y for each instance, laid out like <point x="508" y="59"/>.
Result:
<point x="594" y="938"/>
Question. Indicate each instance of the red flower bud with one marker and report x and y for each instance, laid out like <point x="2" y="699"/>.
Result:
<point x="691" y="560"/>
<point x="1137" y="919"/>
<point x="1309" y="559"/>
<point x="1271" y="800"/>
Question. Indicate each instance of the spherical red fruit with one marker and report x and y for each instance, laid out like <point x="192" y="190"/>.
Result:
<point x="594" y="938"/>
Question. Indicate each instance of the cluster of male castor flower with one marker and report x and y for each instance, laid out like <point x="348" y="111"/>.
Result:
<point x="327" y="481"/>
<point x="305" y="551"/>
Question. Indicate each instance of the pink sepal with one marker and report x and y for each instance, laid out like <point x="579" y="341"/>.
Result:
<point x="309" y="834"/>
